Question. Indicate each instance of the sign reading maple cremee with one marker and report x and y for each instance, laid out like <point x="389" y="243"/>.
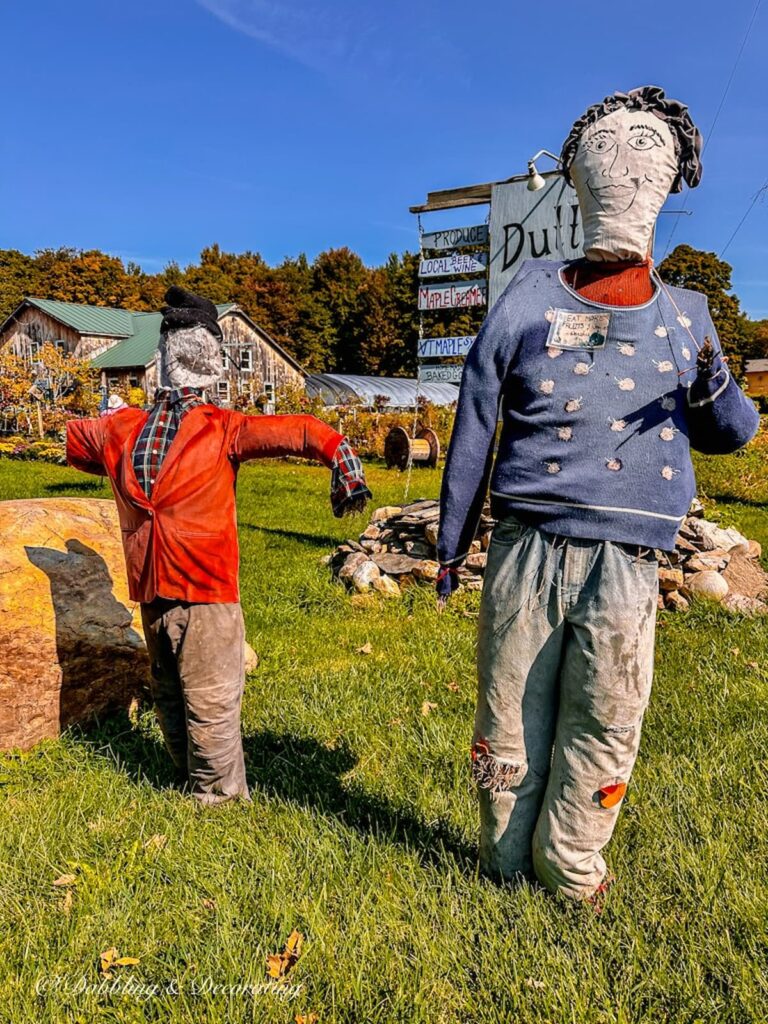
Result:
<point x="452" y="295"/>
<point x="531" y="225"/>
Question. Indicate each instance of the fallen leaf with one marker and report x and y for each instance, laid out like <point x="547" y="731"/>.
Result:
<point x="453" y="686"/>
<point x="365" y="649"/>
<point x="106" y="960"/>
<point x="209" y="904"/>
<point x="753" y="665"/>
<point x="427" y="706"/>
<point x="66" y="880"/>
<point x="306" y="1018"/>
<point x="534" y="983"/>
<point x="395" y="721"/>
<point x="66" y="903"/>
<point x="278" y="964"/>
<point x="156" y="842"/>
<point x="111" y="958"/>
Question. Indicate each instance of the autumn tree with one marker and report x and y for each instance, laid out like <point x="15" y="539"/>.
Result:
<point x="686" y="267"/>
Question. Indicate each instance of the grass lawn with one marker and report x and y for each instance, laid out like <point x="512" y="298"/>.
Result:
<point x="362" y="831"/>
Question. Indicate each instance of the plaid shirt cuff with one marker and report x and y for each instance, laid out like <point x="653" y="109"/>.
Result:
<point x="347" y="480"/>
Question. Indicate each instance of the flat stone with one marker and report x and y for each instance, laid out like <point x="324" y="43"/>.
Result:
<point x="364" y="575"/>
<point x="356" y="558"/>
<point x="707" y="560"/>
<point x="386" y="585"/>
<point x="710" y="536"/>
<point x="418" y="548"/>
<point x="420" y="506"/>
<point x="742" y="605"/>
<point x="426" y="570"/>
<point x="670" y="579"/>
<point x="476" y="563"/>
<point x="370" y="533"/>
<point x="394" y="564"/>
<point x="386" y="512"/>
<point x="754" y="549"/>
<point x="675" y="602"/>
<point x="430" y="533"/>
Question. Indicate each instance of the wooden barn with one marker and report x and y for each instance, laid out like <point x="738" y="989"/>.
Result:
<point x="756" y="376"/>
<point x="122" y="344"/>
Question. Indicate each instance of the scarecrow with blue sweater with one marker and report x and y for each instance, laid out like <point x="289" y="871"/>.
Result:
<point x="603" y="379"/>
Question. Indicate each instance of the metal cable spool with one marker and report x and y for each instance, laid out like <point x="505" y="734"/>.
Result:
<point x="400" y="449"/>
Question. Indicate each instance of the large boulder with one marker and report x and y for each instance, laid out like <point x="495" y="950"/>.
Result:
<point x="71" y="638"/>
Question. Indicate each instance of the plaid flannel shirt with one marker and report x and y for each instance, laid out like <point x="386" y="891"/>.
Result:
<point x="159" y="431"/>
<point x="348" y="488"/>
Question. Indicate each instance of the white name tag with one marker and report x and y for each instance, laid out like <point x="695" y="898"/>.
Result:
<point x="578" y="330"/>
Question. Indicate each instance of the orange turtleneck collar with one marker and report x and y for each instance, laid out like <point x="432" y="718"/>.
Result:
<point x="614" y="284"/>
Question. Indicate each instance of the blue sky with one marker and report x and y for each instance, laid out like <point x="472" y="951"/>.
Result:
<point x="151" y="128"/>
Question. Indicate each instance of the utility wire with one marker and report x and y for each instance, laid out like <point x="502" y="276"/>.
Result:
<point x="715" y="119"/>
<point x="760" y="192"/>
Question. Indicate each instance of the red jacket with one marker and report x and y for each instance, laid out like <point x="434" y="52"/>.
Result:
<point x="182" y="542"/>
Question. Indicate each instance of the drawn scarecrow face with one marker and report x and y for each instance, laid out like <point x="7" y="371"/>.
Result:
<point x="623" y="169"/>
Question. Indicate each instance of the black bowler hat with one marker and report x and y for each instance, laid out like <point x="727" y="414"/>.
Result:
<point x="185" y="309"/>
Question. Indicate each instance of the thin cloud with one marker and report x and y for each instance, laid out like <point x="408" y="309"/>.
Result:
<point x="338" y="37"/>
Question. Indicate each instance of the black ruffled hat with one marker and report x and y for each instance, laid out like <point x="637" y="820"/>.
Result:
<point x="651" y="98"/>
<point x="185" y="309"/>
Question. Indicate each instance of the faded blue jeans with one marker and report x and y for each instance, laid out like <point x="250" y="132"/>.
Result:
<point x="565" y="664"/>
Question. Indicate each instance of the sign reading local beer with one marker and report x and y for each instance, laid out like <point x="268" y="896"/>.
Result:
<point x="453" y="238"/>
<point x="531" y="225"/>
<point x="440" y="374"/>
<point x="453" y="295"/>
<point x="453" y="263"/>
<point x="439" y="348"/>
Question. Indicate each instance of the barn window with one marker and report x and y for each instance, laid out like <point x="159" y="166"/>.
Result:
<point x="246" y="360"/>
<point x="222" y="389"/>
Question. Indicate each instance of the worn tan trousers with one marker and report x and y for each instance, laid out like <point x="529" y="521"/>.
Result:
<point x="198" y="674"/>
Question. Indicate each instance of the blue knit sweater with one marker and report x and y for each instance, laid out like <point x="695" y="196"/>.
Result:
<point x="598" y="415"/>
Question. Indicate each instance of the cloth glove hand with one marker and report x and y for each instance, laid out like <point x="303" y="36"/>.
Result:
<point x="711" y="372"/>
<point x="447" y="581"/>
<point x="705" y="359"/>
<point x="349" y="493"/>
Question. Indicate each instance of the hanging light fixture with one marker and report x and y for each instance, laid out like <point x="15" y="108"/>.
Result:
<point x="535" y="180"/>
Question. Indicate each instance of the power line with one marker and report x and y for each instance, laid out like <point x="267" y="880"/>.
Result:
<point x="715" y="119"/>
<point x="761" y="191"/>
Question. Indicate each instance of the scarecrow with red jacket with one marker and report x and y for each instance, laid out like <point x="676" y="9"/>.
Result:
<point x="173" y="471"/>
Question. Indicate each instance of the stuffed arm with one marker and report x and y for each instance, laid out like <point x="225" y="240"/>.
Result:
<point x="721" y="418"/>
<point x="85" y="445"/>
<point x="470" y="454"/>
<point x="269" y="437"/>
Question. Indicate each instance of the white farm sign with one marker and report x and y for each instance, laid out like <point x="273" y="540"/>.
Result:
<point x="525" y="225"/>
<point x="452" y="295"/>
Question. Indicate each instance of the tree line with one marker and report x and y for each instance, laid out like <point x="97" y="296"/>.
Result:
<point x="332" y="313"/>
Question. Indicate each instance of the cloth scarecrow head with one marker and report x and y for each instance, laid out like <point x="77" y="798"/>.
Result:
<point x="624" y="156"/>
<point x="190" y="341"/>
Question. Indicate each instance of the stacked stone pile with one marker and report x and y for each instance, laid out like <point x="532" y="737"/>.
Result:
<point x="397" y="550"/>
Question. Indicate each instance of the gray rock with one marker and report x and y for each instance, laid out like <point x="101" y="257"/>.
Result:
<point x="394" y="564"/>
<point x="364" y="575"/>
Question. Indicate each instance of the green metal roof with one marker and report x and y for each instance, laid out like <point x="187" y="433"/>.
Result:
<point x="140" y="348"/>
<point x="111" y="323"/>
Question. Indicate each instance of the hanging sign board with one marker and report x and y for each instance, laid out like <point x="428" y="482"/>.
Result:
<point x="440" y="374"/>
<point x="525" y="225"/>
<point x="452" y="238"/>
<point x="452" y="295"/>
<point x="453" y="263"/>
<point x="436" y="348"/>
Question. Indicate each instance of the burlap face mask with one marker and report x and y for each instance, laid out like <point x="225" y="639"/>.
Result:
<point x="189" y="358"/>
<point x="623" y="169"/>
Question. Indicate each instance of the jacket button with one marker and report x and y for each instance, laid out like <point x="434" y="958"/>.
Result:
<point x="150" y="512"/>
